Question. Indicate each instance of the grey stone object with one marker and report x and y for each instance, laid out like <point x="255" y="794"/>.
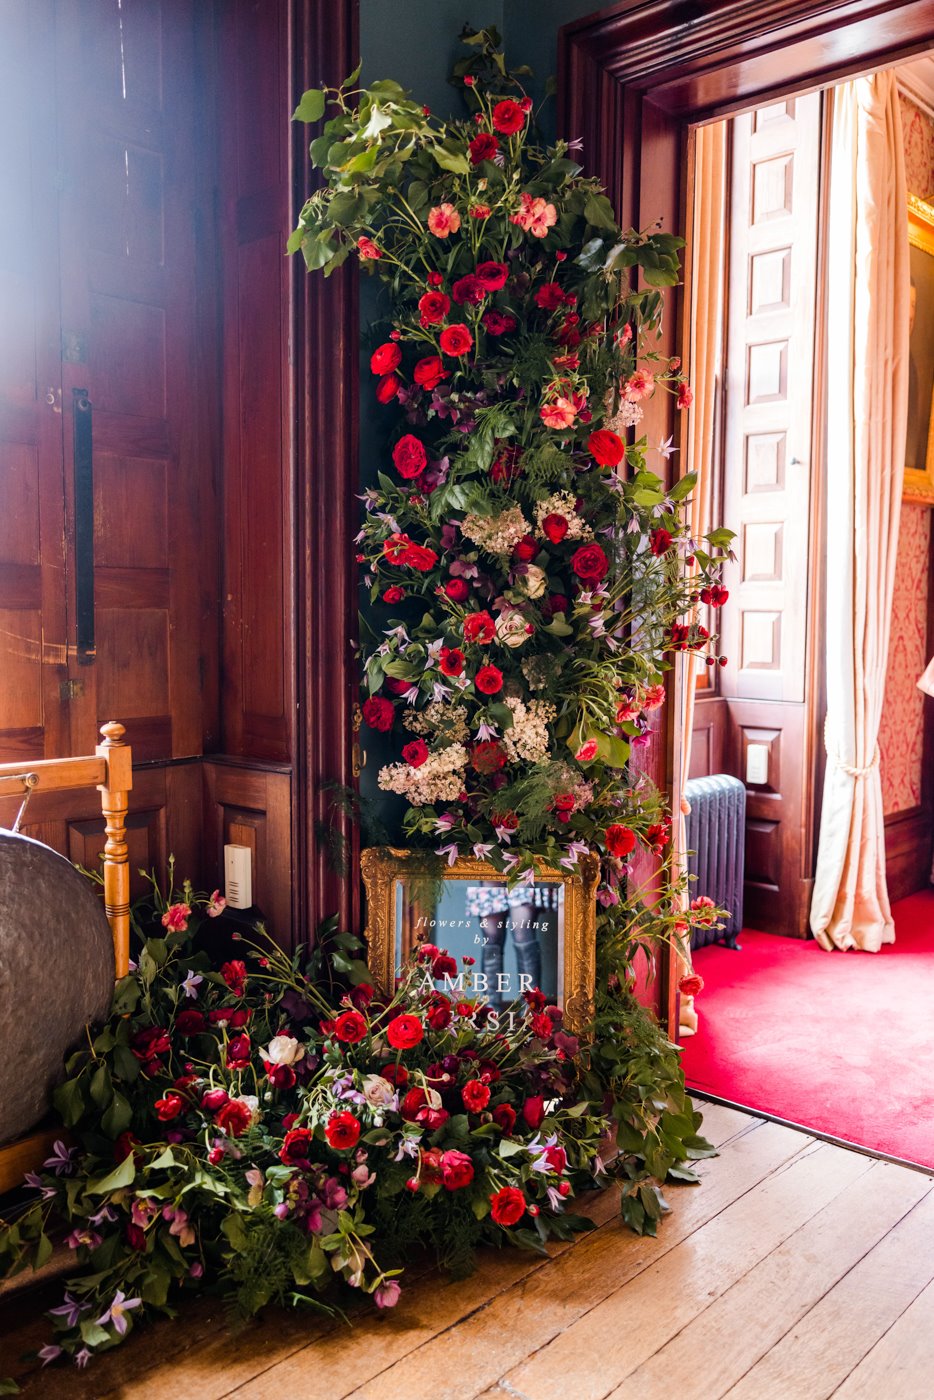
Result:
<point x="56" y="974"/>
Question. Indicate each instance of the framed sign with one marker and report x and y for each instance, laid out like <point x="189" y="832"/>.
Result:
<point x="919" y="444"/>
<point x="540" y="933"/>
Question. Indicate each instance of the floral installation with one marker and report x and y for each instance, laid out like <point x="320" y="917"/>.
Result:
<point x="265" y="1126"/>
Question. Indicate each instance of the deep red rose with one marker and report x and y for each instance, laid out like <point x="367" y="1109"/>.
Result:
<point x="507" y="1206"/>
<point x="409" y="456"/>
<point x="533" y="1111"/>
<point x="549" y="297"/>
<point x="457" y="589"/>
<point x="234" y="1117"/>
<point x="468" y="291"/>
<point x="412" y="1104"/>
<point x="135" y="1236"/>
<point x="488" y="757"/>
<point x="280" y="1076"/>
<point x="489" y="680"/>
<point x="456" y="1170"/>
<point x="396" y="1074"/>
<point x="388" y="388"/>
<point x="606" y="448"/>
<point x="475" y="1095"/>
<point x="659" y="541"/>
<point x="238" y="1052"/>
<point x="170" y="1107"/>
<point x="416" y="753"/>
<point x="499" y="322"/>
<point x="379" y="713"/>
<point x="148" y="1044"/>
<point x="434" y="306"/>
<point x="619" y="840"/>
<point x="456" y="340"/>
<point x="555" y="603"/>
<point x="342" y="1131"/>
<point x="557" y="1159"/>
<point x="404" y="1032"/>
<point x="492" y="275"/>
<point x="526" y="549"/>
<point x="555" y="527"/>
<point x="362" y="995"/>
<point x="438" y="1014"/>
<point x="350" y="1027"/>
<point x="234" y="974"/>
<point x="508" y="117"/>
<point x="393" y="594"/>
<point x="429" y="372"/>
<point x="504" y="1115"/>
<point x="590" y="563"/>
<point x="690" y="985"/>
<point x="213" y="1099"/>
<point x="385" y="358"/>
<point x="443" y="966"/>
<point x="296" y="1146"/>
<point x="479" y="627"/>
<point x="451" y="662"/>
<point x="190" y="1022"/>
<point x="483" y="147"/>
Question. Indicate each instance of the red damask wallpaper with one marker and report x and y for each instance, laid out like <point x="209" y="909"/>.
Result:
<point x="918" y="132"/>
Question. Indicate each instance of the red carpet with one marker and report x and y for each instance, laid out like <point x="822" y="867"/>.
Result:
<point x="840" y="1042"/>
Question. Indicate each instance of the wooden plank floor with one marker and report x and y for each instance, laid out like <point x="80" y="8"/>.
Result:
<point x="797" y="1270"/>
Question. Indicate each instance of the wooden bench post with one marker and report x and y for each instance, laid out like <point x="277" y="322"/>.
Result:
<point x="115" y="792"/>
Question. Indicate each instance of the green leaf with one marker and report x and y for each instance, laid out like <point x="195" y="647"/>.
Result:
<point x="123" y="1175"/>
<point x="598" y="211"/>
<point x="68" y="1099"/>
<point x="311" y="107"/>
<point x="101" y="1086"/>
<point x="683" y="487"/>
<point x="295" y="240"/>
<point x="118" y="1117"/>
<point x="165" y="1159"/>
<point x="454" y="161"/>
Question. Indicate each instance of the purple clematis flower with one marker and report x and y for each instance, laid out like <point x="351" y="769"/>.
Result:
<point x="61" y="1161"/>
<point x="115" y="1313"/>
<point x="49" y="1353"/>
<point x="70" y="1310"/>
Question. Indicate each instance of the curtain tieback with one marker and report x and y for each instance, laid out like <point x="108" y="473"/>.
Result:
<point x="839" y="762"/>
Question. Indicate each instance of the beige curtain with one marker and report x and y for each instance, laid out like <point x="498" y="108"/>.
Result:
<point x="867" y="402"/>
<point x="708" y="296"/>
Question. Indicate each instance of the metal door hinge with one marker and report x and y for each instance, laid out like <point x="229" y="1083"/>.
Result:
<point x="71" y="690"/>
<point x="74" y="347"/>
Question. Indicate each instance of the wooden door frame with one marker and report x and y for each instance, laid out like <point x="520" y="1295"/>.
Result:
<point x="635" y="79"/>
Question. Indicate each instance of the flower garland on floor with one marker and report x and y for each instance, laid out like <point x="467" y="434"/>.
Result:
<point x="268" y="1127"/>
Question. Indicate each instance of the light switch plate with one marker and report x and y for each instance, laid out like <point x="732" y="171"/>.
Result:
<point x="757" y="764"/>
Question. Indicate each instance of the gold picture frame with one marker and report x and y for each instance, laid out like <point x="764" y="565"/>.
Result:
<point x="385" y="867"/>
<point x="918" y="486"/>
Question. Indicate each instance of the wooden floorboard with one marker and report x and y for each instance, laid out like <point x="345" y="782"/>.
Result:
<point x="797" y="1270"/>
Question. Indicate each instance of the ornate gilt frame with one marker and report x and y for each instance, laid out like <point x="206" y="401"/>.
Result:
<point x="918" y="486"/>
<point x="381" y="866"/>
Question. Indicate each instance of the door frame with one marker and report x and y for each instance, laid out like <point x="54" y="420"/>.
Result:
<point x="636" y="79"/>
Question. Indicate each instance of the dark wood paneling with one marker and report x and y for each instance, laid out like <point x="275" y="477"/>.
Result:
<point x="709" y="737"/>
<point x="248" y="805"/>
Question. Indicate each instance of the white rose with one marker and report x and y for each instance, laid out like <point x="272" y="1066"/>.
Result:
<point x="377" y="1091"/>
<point x="511" y="629"/>
<point x="534" y="581"/>
<point x="283" y="1050"/>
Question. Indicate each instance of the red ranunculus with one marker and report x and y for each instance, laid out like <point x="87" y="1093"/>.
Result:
<point x="507" y="1206"/>
<point x="476" y="1095"/>
<point x="234" y="1117"/>
<point x="434" y="306"/>
<point x="590" y="563"/>
<point x="479" y="627"/>
<point x="438" y="1014"/>
<point x="388" y="388"/>
<point x="489" y="680"/>
<point x="659" y="541"/>
<point x="234" y="974"/>
<point x="504" y="1115"/>
<point x="690" y="985"/>
<point x="499" y="322"/>
<point x="492" y="275"/>
<point x="170" y="1107"/>
<point x="451" y="662"/>
<point x="148" y="1044"/>
<point x="456" y="1170"/>
<point x="456" y="340"/>
<point x="483" y="147"/>
<point x="533" y="1111"/>
<point x="412" y="1103"/>
<point x="488" y="757"/>
<point x="526" y="549"/>
<point x="238" y="1052"/>
<point x="549" y="297"/>
<point x="226" y="1015"/>
<point x="457" y="589"/>
<point x="555" y="527"/>
<point x="393" y="594"/>
<point x="350" y="1027"/>
<point x="508" y="117"/>
<point x="190" y="1022"/>
<point x="619" y="840"/>
<point x="443" y="966"/>
<point x="378" y="712"/>
<point x="213" y="1099"/>
<point x="296" y="1145"/>
<point x="606" y="448"/>
<point x="409" y="456"/>
<point x="280" y="1076"/>
<point x="396" y="1074"/>
<point x="386" y="358"/>
<point x="429" y="372"/>
<point x="557" y="1159"/>
<point x="468" y="291"/>
<point x="541" y="1025"/>
<point x="416" y="753"/>
<point x="342" y="1131"/>
<point x="404" y="1032"/>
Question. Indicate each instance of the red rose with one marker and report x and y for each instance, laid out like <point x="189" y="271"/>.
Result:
<point x="479" y="627"/>
<point x="457" y="590"/>
<point x="468" y="291"/>
<point x="557" y="1159"/>
<point x="412" y="1104"/>
<point x="190" y="1022"/>
<point x="148" y="1044"/>
<point x="443" y="966"/>
<point x="379" y="713"/>
<point x="404" y="1032"/>
<point x="409" y="456"/>
<point x="170" y="1107"/>
<point x="388" y="388"/>
<point x="419" y="557"/>
<point x="234" y="974"/>
<point x="456" y="1170"/>
<point x="507" y="1207"/>
<point x="342" y="1131"/>
<point x="456" y="340"/>
<point x="386" y="358"/>
<point x="526" y="549"/>
<point x="429" y="372"/>
<point x="350" y="1027"/>
<point x="504" y="1115"/>
<point x="234" y="1117"/>
<point x="213" y="1099"/>
<point x="555" y="527"/>
<point x="499" y="322"/>
<point x="296" y="1146"/>
<point x="451" y="662"/>
<point x="483" y="147"/>
<point x="396" y="1074"/>
<point x="659" y="541"/>
<point x="492" y="275"/>
<point x="533" y="1111"/>
<point x="393" y="594"/>
<point x="549" y="297"/>
<point x="508" y="117"/>
<point x="590" y="563"/>
<point x="690" y="986"/>
<point x="489" y="680"/>
<point x="238" y="1052"/>
<point x="434" y="306"/>
<point x="416" y="753"/>
<point x="438" y="1014"/>
<point x="280" y="1076"/>
<point x="619" y="840"/>
<point x="475" y="1095"/>
<point x="606" y="448"/>
<point x="488" y="757"/>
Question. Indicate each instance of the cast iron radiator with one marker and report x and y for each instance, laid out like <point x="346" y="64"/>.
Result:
<point x="716" y="832"/>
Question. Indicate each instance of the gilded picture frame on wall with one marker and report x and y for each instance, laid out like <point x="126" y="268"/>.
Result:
<point x="539" y="933"/>
<point x="918" y="484"/>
